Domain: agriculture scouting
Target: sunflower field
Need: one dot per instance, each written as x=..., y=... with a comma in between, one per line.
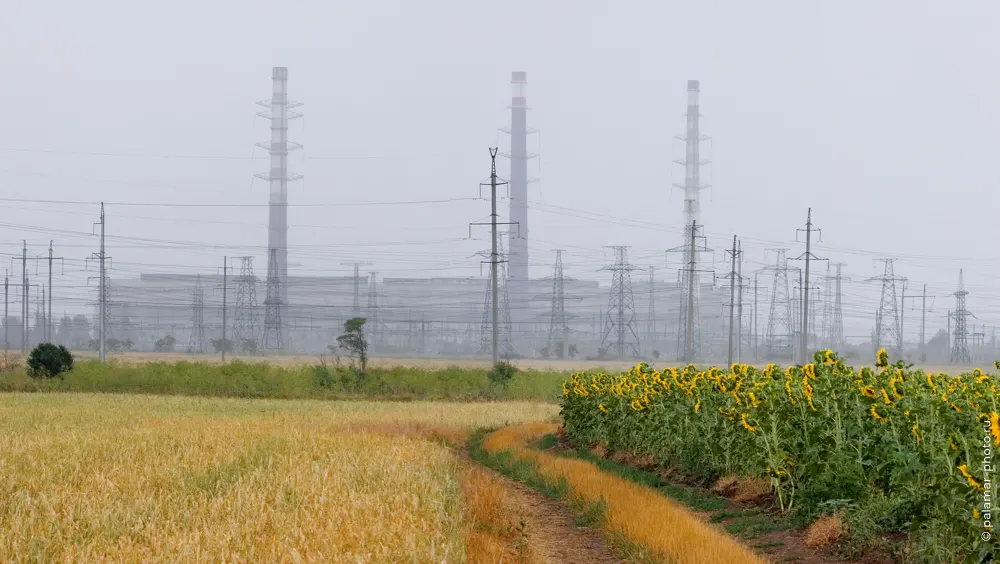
x=903, y=449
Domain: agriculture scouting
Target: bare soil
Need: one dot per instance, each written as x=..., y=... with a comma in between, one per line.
x=552, y=531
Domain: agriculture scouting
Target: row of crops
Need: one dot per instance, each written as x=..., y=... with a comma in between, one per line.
x=890, y=446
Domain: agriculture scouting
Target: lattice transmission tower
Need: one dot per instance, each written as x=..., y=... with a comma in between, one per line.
x=558, y=328
x=197, y=342
x=837, y=340
x=504, y=344
x=960, y=353
x=246, y=332
x=688, y=326
x=558, y=341
x=887, y=330
x=652, y=336
x=827, y=321
x=779, y=319
x=621, y=335
x=272, y=338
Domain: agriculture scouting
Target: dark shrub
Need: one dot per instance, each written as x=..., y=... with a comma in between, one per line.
x=502, y=373
x=48, y=361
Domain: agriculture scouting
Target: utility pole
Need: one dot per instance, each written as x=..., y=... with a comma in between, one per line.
x=225, y=285
x=739, y=303
x=923, y=313
x=103, y=302
x=807, y=256
x=6, y=314
x=689, y=327
x=756, y=315
x=24, y=298
x=494, y=256
x=226, y=267
x=732, y=300
x=923, y=318
x=48, y=332
x=902, y=311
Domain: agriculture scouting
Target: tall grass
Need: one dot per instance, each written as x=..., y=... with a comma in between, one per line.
x=139, y=478
x=638, y=513
x=263, y=380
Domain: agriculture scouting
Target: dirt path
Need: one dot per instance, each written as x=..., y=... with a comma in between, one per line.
x=553, y=534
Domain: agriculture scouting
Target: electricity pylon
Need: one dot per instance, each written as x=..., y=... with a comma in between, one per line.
x=272, y=338
x=652, y=336
x=558, y=340
x=245, y=327
x=837, y=340
x=689, y=328
x=960, y=348
x=887, y=331
x=779, y=319
x=620, y=320
x=197, y=342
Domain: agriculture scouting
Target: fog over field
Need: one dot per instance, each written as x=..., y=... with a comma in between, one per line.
x=879, y=117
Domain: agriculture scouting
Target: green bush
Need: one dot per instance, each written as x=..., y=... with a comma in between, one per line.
x=48, y=361
x=322, y=377
x=502, y=373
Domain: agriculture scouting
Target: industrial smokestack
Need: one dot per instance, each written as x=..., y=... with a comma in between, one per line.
x=278, y=177
x=689, y=321
x=277, y=226
x=518, y=238
x=692, y=164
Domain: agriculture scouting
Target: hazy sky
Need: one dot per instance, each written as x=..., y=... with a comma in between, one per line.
x=882, y=116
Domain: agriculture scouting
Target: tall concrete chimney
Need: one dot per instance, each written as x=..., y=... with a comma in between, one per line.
x=278, y=177
x=518, y=238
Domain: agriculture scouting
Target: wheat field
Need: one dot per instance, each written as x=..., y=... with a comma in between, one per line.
x=142, y=478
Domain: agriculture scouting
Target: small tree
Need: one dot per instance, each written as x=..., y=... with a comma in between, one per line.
x=249, y=346
x=354, y=341
x=166, y=344
x=48, y=361
x=222, y=344
x=573, y=351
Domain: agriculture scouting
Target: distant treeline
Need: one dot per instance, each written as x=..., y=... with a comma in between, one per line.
x=262, y=380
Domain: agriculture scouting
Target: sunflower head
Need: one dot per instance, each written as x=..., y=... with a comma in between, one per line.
x=882, y=358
